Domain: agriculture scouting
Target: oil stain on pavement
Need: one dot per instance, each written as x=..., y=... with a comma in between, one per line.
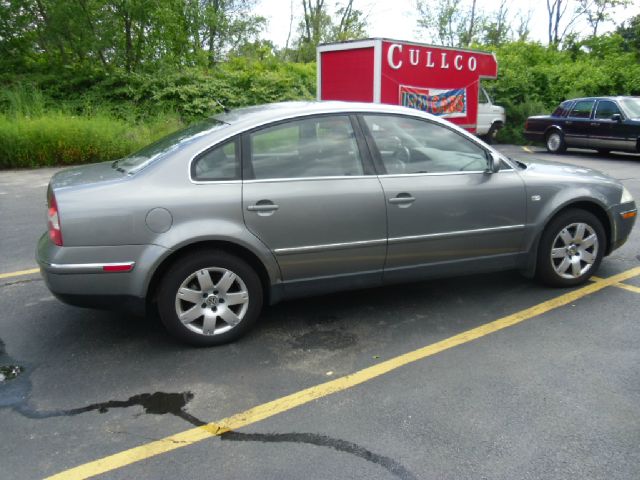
x=158, y=403
x=343, y=446
x=15, y=387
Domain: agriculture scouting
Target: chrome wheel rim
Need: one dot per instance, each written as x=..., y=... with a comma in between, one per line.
x=574, y=250
x=212, y=301
x=553, y=142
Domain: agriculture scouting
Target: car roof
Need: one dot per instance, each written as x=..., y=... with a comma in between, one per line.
x=251, y=117
x=245, y=119
x=603, y=97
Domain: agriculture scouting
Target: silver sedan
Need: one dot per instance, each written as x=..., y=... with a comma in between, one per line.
x=285, y=200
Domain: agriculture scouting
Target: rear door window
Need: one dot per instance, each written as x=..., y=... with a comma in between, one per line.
x=582, y=109
x=313, y=147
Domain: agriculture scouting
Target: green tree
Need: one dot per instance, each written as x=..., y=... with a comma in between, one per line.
x=352, y=23
x=229, y=24
x=452, y=23
x=496, y=29
x=317, y=26
x=18, y=34
x=599, y=11
x=630, y=33
x=561, y=18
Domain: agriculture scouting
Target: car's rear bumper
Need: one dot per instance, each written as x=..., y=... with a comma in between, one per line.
x=111, y=277
x=120, y=303
x=624, y=218
x=534, y=136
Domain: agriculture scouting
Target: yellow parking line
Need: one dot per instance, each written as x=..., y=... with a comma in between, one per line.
x=19, y=273
x=283, y=404
x=624, y=286
x=527, y=149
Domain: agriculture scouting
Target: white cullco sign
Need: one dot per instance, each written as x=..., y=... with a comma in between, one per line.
x=396, y=57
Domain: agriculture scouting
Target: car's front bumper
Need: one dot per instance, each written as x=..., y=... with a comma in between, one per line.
x=109, y=277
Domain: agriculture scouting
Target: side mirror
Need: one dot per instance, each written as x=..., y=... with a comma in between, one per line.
x=616, y=117
x=493, y=163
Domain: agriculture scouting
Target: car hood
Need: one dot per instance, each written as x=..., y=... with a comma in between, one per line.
x=86, y=175
x=558, y=169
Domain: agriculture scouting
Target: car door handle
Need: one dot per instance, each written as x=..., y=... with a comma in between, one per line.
x=266, y=207
x=402, y=199
x=568, y=122
x=594, y=124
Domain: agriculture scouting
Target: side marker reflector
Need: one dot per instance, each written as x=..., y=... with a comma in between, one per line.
x=126, y=267
x=630, y=214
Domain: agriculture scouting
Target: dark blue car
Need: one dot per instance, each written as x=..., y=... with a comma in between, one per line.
x=601, y=123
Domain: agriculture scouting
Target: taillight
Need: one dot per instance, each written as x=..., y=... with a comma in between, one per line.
x=53, y=220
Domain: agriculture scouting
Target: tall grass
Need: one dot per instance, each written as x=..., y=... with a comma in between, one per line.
x=22, y=100
x=35, y=132
x=52, y=139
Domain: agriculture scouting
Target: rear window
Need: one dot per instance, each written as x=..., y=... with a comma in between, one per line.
x=171, y=143
x=562, y=110
x=218, y=163
x=582, y=109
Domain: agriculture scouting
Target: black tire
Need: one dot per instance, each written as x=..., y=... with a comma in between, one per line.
x=554, y=141
x=548, y=268
x=217, y=299
x=491, y=135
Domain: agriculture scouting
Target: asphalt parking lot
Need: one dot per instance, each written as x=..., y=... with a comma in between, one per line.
x=478, y=377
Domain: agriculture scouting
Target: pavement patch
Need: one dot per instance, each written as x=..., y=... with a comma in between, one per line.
x=302, y=397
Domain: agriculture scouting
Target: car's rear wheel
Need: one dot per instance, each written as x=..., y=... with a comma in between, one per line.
x=555, y=142
x=209, y=298
x=571, y=248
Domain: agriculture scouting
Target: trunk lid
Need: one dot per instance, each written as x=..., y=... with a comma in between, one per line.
x=86, y=175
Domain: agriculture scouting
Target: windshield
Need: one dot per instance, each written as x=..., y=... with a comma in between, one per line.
x=171, y=143
x=631, y=106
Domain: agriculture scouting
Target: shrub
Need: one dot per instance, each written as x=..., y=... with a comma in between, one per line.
x=60, y=139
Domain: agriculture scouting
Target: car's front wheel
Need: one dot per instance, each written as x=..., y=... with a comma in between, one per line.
x=555, y=142
x=571, y=248
x=209, y=298
x=492, y=134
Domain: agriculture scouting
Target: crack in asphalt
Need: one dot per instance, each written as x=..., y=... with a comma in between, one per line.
x=19, y=282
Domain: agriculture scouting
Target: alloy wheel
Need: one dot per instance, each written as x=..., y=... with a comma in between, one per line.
x=212, y=301
x=554, y=142
x=574, y=250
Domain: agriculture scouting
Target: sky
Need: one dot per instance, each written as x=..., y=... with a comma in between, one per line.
x=397, y=18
